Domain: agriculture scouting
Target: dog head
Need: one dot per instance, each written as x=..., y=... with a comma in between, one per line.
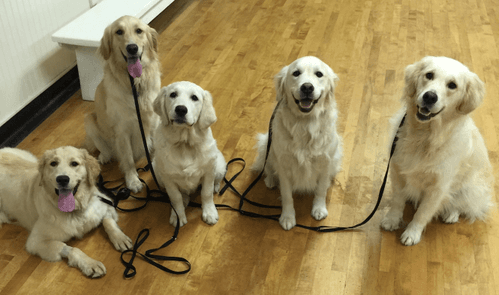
x=67, y=169
x=185, y=104
x=306, y=84
x=128, y=39
x=435, y=86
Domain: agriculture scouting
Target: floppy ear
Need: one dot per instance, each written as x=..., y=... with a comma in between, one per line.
x=207, y=116
x=92, y=166
x=279, y=83
x=42, y=162
x=473, y=96
x=152, y=37
x=106, y=43
x=411, y=79
x=159, y=106
x=332, y=79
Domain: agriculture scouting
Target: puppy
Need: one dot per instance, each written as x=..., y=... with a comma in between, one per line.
x=113, y=127
x=306, y=151
x=56, y=199
x=186, y=154
x=440, y=162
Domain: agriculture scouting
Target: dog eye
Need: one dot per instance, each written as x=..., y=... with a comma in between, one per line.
x=429, y=76
x=53, y=163
x=452, y=85
x=319, y=74
x=119, y=32
x=74, y=164
x=194, y=98
x=139, y=31
x=296, y=73
x=173, y=94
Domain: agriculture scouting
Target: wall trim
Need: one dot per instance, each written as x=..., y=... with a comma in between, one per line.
x=31, y=116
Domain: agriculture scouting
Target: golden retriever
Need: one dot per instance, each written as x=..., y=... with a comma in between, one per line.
x=186, y=154
x=306, y=150
x=440, y=162
x=113, y=127
x=56, y=199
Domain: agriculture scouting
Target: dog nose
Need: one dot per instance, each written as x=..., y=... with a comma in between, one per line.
x=307, y=88
x=132, y=48
x=180, y=110
x=430, y=98
x=62, y=179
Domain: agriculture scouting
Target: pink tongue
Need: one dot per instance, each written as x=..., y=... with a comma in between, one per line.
x=66, y=201
x=135, y=69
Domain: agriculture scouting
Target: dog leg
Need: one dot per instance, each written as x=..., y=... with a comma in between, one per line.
x=393, y=218
x=430, y=204
x=177, y=202
x=120, y=241
x=450, y=216
x=210, y=214
x=93, y=139
x=51, y=250
x=220, y=171
x=319, y=209
x=124, y=154
x=287, y=219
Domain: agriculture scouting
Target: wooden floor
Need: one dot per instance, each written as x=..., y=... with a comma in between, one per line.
x=233, y=49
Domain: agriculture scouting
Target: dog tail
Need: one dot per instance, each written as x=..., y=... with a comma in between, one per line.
x=261, y=146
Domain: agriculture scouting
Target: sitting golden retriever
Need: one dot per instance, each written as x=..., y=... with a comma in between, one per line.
x=186, y=154
x=440, y=162
x=306, y=150
x=113, y=127
x=56, y=199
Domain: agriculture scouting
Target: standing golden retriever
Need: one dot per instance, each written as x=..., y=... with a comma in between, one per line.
x=186, y=154
x=56, y=199
x=306, y=151
x=113, y=128
x=440, y=163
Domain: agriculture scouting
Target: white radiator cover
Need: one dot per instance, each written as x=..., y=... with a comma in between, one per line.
x=30, y=61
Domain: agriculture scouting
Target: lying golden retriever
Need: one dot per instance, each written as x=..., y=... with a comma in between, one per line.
x=56, y=199
x=440, y=162
x=306, y=150
x=186, y=154
x=113, y=127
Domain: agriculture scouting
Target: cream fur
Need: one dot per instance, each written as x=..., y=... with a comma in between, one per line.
x=440, y=164
x=27, y=195
x=186, y=154
x=113, y=127
x=306, y=150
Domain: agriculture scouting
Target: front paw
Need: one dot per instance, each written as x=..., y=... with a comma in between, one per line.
x=173, y=219
x=411, y=236
x=450, y=217
x=391, y=223
x=90, y=267
x=210, y=215
x=134, y=184
x=319, y=212
x=120, y=241
x=287, y=221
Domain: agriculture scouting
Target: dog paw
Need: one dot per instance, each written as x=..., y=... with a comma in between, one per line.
x=390, y=223
x=104, y=159
x=121, y=241
x=287, y=222
x=451, y=217
x=210, y=215
x=134, y=184
x=90, y=267
x=270, y=182
x=319, y=213
x=411, y=236
x=173, y=219
x=216, y=188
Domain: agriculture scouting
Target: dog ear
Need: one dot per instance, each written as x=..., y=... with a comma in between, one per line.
x=279, y=80
x=473, y=96
x=106, y=43
x=332, y=79
x=92, y=166
x=152, y=37
x=42, y=162
x=207, y=116
x=159, y=106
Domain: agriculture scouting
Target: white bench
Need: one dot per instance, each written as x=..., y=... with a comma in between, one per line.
x=85, y=32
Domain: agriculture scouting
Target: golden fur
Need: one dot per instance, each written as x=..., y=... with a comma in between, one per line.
x=306, y=150
x=27, y=195
x=440, y=163
x=113, y=127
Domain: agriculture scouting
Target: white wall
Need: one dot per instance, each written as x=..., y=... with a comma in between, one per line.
x=30, y=61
